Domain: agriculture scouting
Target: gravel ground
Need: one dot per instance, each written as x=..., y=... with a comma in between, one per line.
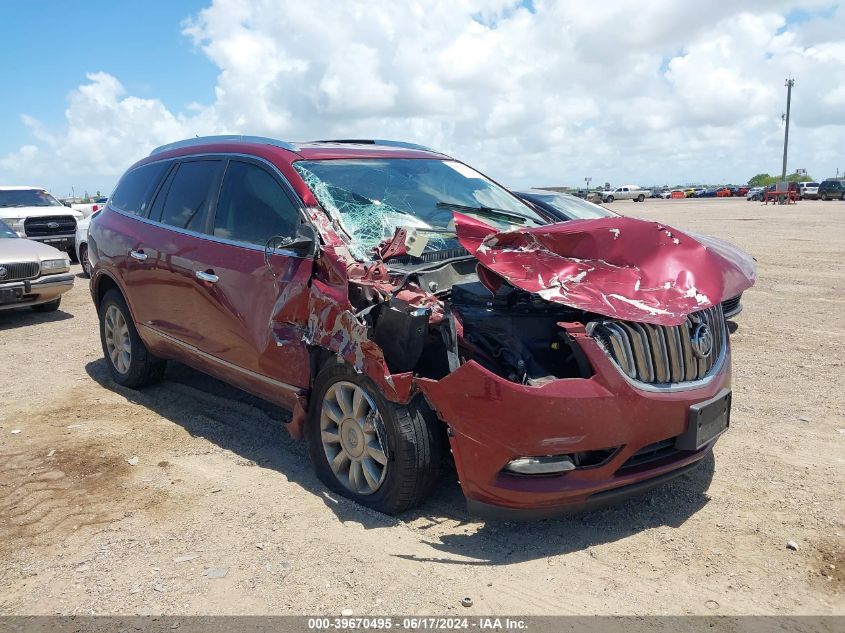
x=221, y=514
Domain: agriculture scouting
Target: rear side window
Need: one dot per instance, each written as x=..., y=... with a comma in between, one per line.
x=188, y=196
x=253, y=206
x=135, y=190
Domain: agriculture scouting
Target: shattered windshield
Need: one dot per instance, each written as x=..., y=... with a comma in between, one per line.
x=373, y=197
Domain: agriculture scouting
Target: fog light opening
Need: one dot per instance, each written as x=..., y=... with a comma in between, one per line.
x=547, y=465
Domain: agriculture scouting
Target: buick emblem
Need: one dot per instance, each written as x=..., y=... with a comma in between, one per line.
x=702, y=340
x=52, y=225
x=4, y=272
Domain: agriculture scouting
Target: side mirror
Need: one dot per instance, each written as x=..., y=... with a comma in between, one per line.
x=67, y=204
x=304, y=244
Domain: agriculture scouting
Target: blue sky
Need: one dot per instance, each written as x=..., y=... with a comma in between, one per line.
x=532, y=92
x=47, y=47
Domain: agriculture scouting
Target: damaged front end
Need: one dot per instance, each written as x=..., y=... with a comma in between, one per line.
x=563, y=358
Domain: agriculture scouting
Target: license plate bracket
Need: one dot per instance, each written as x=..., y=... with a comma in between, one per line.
x=11, y=295
x=707, y=421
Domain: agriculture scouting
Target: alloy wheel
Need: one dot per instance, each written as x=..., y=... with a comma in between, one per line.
x=118, y=343
x=351, y=441
x=83, y=259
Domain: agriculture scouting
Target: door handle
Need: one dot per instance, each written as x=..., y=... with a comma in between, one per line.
x=139, y=255
x=204, y=276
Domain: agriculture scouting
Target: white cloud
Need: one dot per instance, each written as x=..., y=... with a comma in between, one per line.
x=658, y=91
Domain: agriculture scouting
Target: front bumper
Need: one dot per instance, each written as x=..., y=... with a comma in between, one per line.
x=62, y=242
x=41, y=290
x=493, y=421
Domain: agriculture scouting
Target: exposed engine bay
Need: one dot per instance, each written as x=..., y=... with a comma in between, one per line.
x=513, y=333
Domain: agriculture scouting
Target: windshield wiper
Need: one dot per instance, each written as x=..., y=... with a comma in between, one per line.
x=489, y=212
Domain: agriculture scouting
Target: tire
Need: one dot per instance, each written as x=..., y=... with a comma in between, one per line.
x=71, y=253
x=141, y=368
x=50, y=306
x=609, y=199
x=641, y=198
x=824, y=196
x=83, y=259
x=414, y=443
x=842, y=197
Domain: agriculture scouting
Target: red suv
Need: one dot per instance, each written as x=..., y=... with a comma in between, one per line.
x=402, y=304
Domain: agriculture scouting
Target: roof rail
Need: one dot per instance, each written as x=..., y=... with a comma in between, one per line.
x=384, y=142
x=226, y=138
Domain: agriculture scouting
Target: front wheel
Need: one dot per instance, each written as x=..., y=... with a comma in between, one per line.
x=50, y=306
x=609, y=199
x=129, y=361
x=383, y=455
x=824, y=197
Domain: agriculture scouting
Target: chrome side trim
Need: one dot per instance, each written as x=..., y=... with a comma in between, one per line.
x=209, y=238
x=226, y=138
x=219, y=361
x=221, y=240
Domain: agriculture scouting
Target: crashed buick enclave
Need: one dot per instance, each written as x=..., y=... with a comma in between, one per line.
x=402, y=304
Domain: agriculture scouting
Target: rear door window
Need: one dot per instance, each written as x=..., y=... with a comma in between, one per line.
x=189, y=194
x=135, y=190
x=253, y=206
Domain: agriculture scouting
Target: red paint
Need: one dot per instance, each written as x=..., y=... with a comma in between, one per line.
x=619, y=267
x=262, y=323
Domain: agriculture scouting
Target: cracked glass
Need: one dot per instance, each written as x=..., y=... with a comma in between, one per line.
x=371, y=198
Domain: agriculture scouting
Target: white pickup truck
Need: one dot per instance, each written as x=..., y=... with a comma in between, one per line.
x=88, y=209
x=627, y=192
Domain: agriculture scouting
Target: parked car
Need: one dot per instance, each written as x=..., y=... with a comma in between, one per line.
x=755, y=194
x=808, y=190
x=89, y=208
x=628, y=192
x=832, y=189
x=398, y=300
x=31, y=274
x=561, y=207
x=35, y=214
x=723, y=192
x=739, y=191
x=82, y=243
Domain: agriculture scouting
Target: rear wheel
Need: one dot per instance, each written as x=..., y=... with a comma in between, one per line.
x=83, y=259
x=383, y=455
x=50, y=306
x=641, y=198
x=129, y=361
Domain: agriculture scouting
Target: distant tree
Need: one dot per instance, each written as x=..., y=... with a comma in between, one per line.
x=763, y=180
x=760, y=180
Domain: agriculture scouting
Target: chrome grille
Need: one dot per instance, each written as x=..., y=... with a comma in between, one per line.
x=45, y=226
x=19, y=271
x=658, y=354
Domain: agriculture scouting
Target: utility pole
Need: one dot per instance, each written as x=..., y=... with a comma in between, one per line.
x=789, y=84
x=587, y=180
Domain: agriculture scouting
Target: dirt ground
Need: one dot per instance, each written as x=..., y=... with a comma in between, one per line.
x=219, y=488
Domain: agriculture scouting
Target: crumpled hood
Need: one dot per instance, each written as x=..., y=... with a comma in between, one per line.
x=631, y=269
